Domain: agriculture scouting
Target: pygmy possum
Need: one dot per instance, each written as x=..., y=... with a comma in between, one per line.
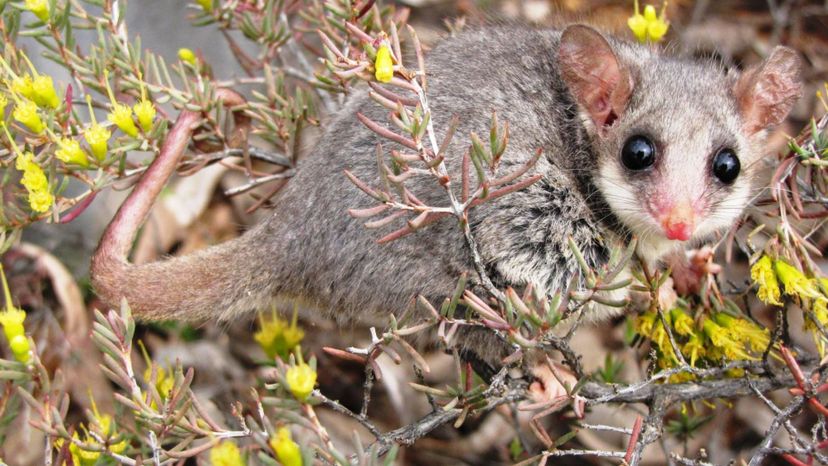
x=635, y=143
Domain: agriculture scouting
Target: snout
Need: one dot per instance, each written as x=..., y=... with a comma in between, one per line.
x=678, y=221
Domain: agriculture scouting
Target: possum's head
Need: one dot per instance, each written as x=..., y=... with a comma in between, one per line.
x=678, y=143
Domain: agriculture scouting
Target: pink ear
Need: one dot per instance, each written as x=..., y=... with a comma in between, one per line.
x=766, y=93
x=599, y=83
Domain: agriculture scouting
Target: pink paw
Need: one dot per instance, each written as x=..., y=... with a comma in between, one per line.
x=689, y=274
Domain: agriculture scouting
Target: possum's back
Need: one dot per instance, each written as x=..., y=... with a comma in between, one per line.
x=318, y=252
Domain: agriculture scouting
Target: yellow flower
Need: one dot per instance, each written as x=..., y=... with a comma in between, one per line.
x=33, y=177
x=121, y=116
x=20, y=348
x=145, y=111
x=649, y=26
x=40, y=8
x=36, y=87
x=36, y=183
x=34, y=180
x=694, y=349
x=645, y=323
x=70, y=152
x=301, y=379
x=164, y=378
x=796, y=283
x=657, y=26
x=724, y=341
x=3, y=102
x=81, y=457
x=103, y=428
x=662, y=341
x=277, y=337
x=682, y=323
x=44, y=92
x=226, y=454
x=25, y=111
x=638, y=25
x=97, y=137
x=12, y=319
x=40, y=200
x=287, y=451
x=206, y=5
x=24, y=86
x=384, y=65
x=164, y=382
x=186, y=55
x=745, y=331
x=763, y=275
x=23, y=159
x=659, y=334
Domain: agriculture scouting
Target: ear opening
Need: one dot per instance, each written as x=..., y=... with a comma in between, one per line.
x=766, y=93
x=596, y=78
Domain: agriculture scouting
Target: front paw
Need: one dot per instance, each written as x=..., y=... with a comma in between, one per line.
x=688, y=275
x=551, y=380
x=549, y=390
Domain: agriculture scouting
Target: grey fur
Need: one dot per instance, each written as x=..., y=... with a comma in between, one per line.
x=310, y=249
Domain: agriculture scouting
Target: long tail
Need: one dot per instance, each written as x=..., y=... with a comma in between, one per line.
x=197, y=286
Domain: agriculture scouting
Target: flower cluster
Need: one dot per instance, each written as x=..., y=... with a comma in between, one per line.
x=649, y=27
x=33, y=179
x=301, y=378
x=35, y=182
x=277, y=337
x=37, y=108
x=122, y=115
x=101, y=436
x=707, y=339
x=164, y=381
x=164, y=377
x=35, y=87
x=12, y=319
x=772, y=277
x=31, y=93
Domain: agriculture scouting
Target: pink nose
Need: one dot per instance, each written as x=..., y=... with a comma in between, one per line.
x=679, y=221
x=679, y=230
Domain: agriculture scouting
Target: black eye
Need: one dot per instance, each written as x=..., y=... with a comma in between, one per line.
x=726, y=166
x=638, y=153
